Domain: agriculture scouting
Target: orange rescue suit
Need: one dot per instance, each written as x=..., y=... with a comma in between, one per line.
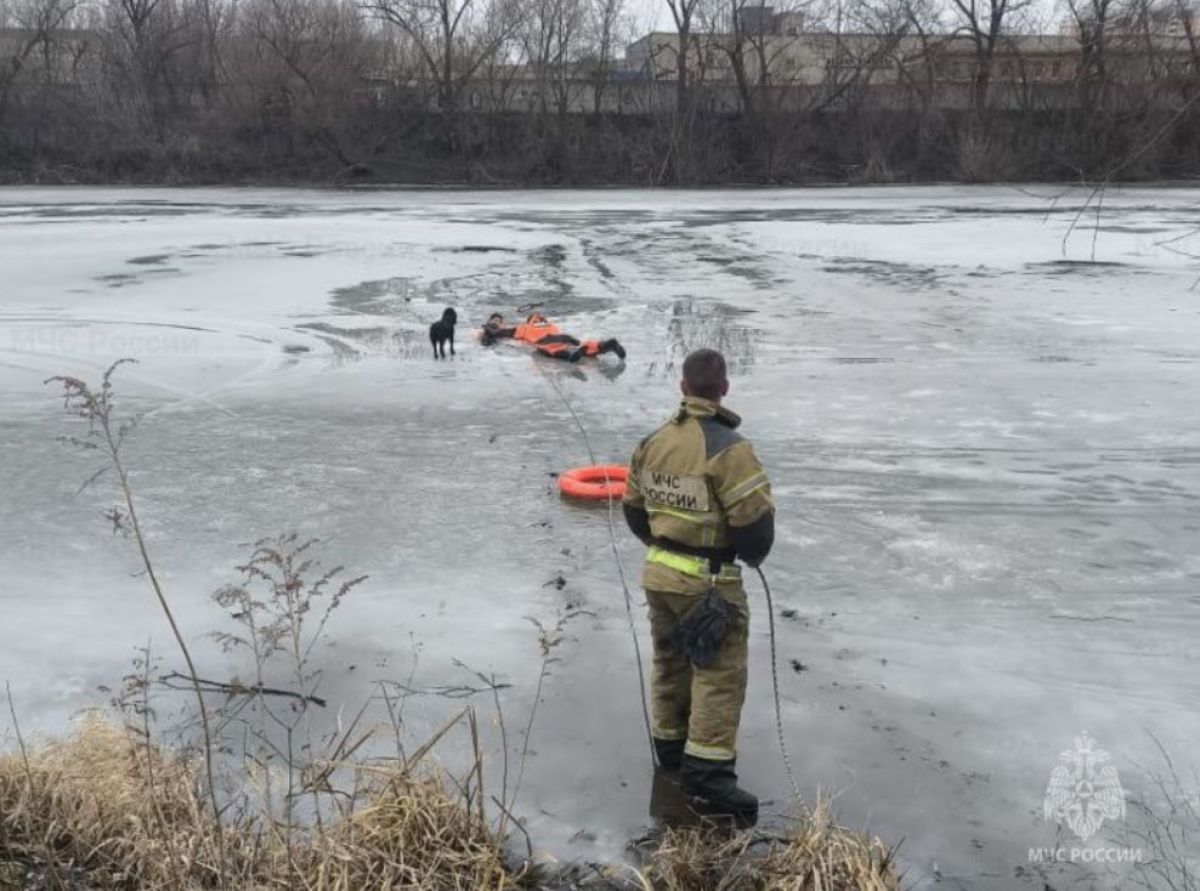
x=532, y=332
x=550, y=341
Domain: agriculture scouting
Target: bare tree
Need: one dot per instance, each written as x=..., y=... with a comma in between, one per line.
x=214, y=21
x=985, y=23
x=453, y=38
x=551, y=39
x=603, y=25
x=1188, y=14
x=859, y=44
x=1093, y=22
x=146, y=38
x=551, y=35
x=921, y=55
x=757, y=65
x=27, y=28
x=316, y=57
x=684, y=14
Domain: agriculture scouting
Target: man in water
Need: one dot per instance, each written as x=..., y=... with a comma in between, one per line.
x=698, y=497
x=547, y=339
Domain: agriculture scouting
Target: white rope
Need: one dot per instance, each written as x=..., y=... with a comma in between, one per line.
x=783, y=749
x=612, y=539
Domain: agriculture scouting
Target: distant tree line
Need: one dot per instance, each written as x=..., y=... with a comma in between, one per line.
x=510, y=92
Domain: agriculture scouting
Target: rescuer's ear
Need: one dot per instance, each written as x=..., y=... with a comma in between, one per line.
x=683, y=388
x=724, y=388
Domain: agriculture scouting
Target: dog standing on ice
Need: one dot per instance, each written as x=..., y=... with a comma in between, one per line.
x=440, y=332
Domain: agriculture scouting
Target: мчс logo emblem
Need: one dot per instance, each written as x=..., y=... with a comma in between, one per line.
x=1084, y=790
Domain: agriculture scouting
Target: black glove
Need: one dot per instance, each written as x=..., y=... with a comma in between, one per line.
x=753, y=542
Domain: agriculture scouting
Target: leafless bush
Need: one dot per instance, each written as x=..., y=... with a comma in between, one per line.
x=106, y=434
x=283, y=590
x=1164, y=824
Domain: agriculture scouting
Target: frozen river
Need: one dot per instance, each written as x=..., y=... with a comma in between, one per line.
x=985, y=452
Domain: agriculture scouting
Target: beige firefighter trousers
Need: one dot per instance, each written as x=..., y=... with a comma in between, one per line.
x=701, y=705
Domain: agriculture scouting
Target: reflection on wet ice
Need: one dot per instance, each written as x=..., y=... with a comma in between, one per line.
x=671, y=808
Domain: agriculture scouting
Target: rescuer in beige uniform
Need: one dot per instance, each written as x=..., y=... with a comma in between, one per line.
x=698, y=497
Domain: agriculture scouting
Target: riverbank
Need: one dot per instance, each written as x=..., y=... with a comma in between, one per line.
x=404, y=146
x=108, y=809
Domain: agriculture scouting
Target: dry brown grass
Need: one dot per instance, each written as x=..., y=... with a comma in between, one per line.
x=106, y=808
x=814, y=855
x=410, y=834
x=94, y=801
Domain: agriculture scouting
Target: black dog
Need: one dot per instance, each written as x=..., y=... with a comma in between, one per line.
x=440, y=332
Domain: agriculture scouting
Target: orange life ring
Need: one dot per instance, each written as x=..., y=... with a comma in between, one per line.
x=598, y=483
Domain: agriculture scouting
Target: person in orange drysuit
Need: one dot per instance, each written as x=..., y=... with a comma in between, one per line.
x=547, y=339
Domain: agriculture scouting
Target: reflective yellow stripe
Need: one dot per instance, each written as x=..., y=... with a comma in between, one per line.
x=682, y=562
x=701, y=519
x=734, y=494
x=708, y=753
x=689, y=565
x=743, y=486
x=672, y=734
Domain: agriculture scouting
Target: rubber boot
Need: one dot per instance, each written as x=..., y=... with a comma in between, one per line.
x=575, y=355
x=713, y=786
x=669, y=752
x=613, y=346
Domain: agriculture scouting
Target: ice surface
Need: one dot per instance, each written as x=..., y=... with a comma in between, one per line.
x=984, y=448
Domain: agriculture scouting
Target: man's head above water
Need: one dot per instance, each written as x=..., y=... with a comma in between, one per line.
x=704, y=375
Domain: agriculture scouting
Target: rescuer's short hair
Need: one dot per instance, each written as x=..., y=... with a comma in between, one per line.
x=704, y=373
